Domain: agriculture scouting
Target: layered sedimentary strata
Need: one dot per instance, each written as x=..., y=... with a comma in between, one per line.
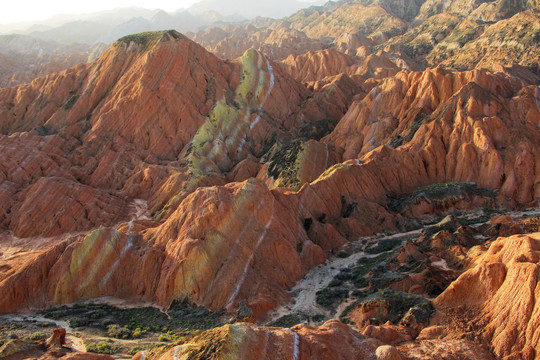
x=501, y=287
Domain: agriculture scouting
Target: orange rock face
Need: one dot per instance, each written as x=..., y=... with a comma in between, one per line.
x=462, y=138
x=58, y=338
x=313, y=66
x=503, y=285
x=232, y=41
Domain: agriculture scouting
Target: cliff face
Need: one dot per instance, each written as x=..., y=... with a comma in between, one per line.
x=454, y=126
x=315, y=66
x=502, y=287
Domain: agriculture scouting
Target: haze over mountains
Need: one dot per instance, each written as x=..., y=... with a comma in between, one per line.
x=202, y=13
x=358, y=180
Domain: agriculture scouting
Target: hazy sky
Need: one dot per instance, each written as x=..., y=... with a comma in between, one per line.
x=32, y=10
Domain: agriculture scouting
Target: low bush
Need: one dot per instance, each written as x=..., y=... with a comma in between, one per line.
x=38, y=335
x=118, y=332
x=103, y=347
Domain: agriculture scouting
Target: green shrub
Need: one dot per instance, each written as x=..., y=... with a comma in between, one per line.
x=103, y=347
x=287, y=321
x=138, y=332
x=118, y=332
x=38, y=335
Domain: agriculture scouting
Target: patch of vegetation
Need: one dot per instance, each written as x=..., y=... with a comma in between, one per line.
x=366, y=264
x=418, y=121
x=36, y=336
x=41, y=130
x=331, y=296
x=134, y=322
x=440, y=191
x=163, y=338
x=343, y=254
x=318, y=318
x=417, y=50
x=347, y=208
x=287, y=321
x=118, y=332
x=138, y=332
x=485, y=216
x=344, y=315
x=145, y=38
x=399, y=140
x=70, y=102
x=384, y=245
x=283, y=165
x=103, y=347
x=464, y=33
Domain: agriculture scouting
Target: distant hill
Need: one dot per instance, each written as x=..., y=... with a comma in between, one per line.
x=250, y=9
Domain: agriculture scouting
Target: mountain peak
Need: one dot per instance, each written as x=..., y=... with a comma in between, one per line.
x=149, y=38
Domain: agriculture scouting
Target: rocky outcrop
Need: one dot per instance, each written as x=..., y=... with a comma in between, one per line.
x=53, y=348
x=506, y=42
x=502, y=288
x=467, y=34
x=315, y=66
x=348, y=18
x=333, y=340
x=231, y=41
x=462, y=108
x=58, y=338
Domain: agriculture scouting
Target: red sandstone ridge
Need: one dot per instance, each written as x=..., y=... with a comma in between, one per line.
x=316, y=65
x=501, y=287
x=117, y=123
x=155, y=117
x=232, y=41
x=81, y=100
x=448, y=126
